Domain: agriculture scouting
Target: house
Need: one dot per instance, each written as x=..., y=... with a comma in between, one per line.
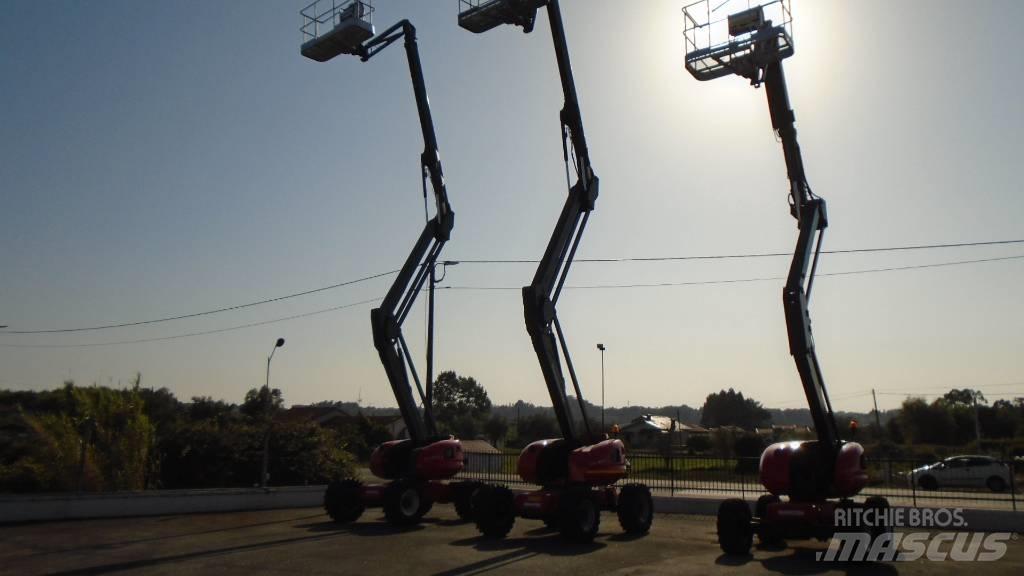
x=482, y=457
x=652, y=431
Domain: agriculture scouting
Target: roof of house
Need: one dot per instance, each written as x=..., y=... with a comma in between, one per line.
x=478, y=447
x=661, y=424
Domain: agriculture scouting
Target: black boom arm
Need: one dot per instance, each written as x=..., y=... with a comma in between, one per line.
x=388, y=318
x=809, y=211
x=541, y=296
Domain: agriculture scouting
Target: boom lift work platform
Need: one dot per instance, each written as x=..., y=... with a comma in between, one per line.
x=418, y=465
x=816, y=477
x=576, y=472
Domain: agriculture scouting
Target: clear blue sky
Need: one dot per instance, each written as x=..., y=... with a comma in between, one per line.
x=160, y=158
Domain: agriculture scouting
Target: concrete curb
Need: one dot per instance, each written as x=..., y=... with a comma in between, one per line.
x=49, y=507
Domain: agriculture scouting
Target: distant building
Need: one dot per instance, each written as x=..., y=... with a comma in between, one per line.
x=651, y=431
x=331, y=417
x=481, y=456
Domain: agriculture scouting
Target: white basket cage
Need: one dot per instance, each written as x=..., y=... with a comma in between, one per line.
x=331, y=27
x=725, y=37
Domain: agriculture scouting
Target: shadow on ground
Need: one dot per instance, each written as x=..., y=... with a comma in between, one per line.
x=802, y=560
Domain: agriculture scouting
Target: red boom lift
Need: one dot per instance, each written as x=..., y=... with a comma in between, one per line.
x=576, y=473
x=418, y=465
x=816, y=477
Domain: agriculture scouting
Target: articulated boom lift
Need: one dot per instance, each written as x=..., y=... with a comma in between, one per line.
x=417, y=464
x=576, y=471
x=808, y=473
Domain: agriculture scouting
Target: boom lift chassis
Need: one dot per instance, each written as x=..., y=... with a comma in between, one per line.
x=417, y=466
x=575, y=472
x=817, y=477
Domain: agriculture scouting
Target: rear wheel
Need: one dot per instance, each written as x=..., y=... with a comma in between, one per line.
x=635, y=509
x=996, y=484
x=878, y=522
x=767, y=533
x=405, y=502
x=464, y=493
x=494, y=511
x=580, y=516
x=343, y=500
x=928, y=483
x=735, y=534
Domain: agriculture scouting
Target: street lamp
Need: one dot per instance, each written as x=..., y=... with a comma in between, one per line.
x=601, y=348
x=266, y=413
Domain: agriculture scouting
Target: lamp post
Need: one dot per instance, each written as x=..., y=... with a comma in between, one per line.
x=601, y=348
x=266, y=413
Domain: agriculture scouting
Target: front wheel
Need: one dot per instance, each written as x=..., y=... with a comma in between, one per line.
x=580, y=516
x=735, y=534
x=635, y=509
x=405, y=503
x=928, y=483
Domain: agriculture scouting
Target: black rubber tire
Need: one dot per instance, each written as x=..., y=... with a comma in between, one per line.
x=464, y=492
x=766, y=533
x=635, y=509
x=343, y=500
x=996, y=484
x=927, y=483
x=405, y=502
x=494, y=511
x=579, y=515
x=881, y=504
x=735, y=534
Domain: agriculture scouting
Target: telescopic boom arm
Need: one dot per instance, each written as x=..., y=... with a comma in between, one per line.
x=541, y=296
x=809, y=211
x=388, y=318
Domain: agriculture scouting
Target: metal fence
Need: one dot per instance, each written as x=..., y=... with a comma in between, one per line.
x=682, y=474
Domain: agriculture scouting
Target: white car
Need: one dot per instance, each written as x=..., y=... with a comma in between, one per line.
x=962, y=471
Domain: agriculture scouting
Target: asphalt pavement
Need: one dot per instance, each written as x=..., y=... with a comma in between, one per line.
x=304, y=541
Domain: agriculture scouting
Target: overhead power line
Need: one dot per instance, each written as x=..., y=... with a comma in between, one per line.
x=592, y=260
x=751, y=255
x=202, y=333
x=204, y=313
x=746, y=280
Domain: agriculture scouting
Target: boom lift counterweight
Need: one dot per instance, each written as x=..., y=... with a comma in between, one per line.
x=416, y=465
x=576, y=471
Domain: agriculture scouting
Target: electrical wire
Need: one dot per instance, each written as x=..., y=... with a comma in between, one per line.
x=202, y=333
x=749, y=255
x=746, y=280
x=204, y=313
x=594, y=260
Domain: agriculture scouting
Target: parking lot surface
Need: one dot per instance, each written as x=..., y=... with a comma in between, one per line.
x=304, y=541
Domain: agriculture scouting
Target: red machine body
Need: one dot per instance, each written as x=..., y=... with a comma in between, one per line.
x=598, y=464
x=785, y=466
x=436, y=461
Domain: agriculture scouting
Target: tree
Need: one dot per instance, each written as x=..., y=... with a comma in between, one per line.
x=538, y=426
x=261, y=403
x=730, y=408
x=496, y=428
x=964, y=397
x=460, y=404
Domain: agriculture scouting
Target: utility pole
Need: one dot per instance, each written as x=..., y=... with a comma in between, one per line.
x=602, y=349
x=878, y=419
